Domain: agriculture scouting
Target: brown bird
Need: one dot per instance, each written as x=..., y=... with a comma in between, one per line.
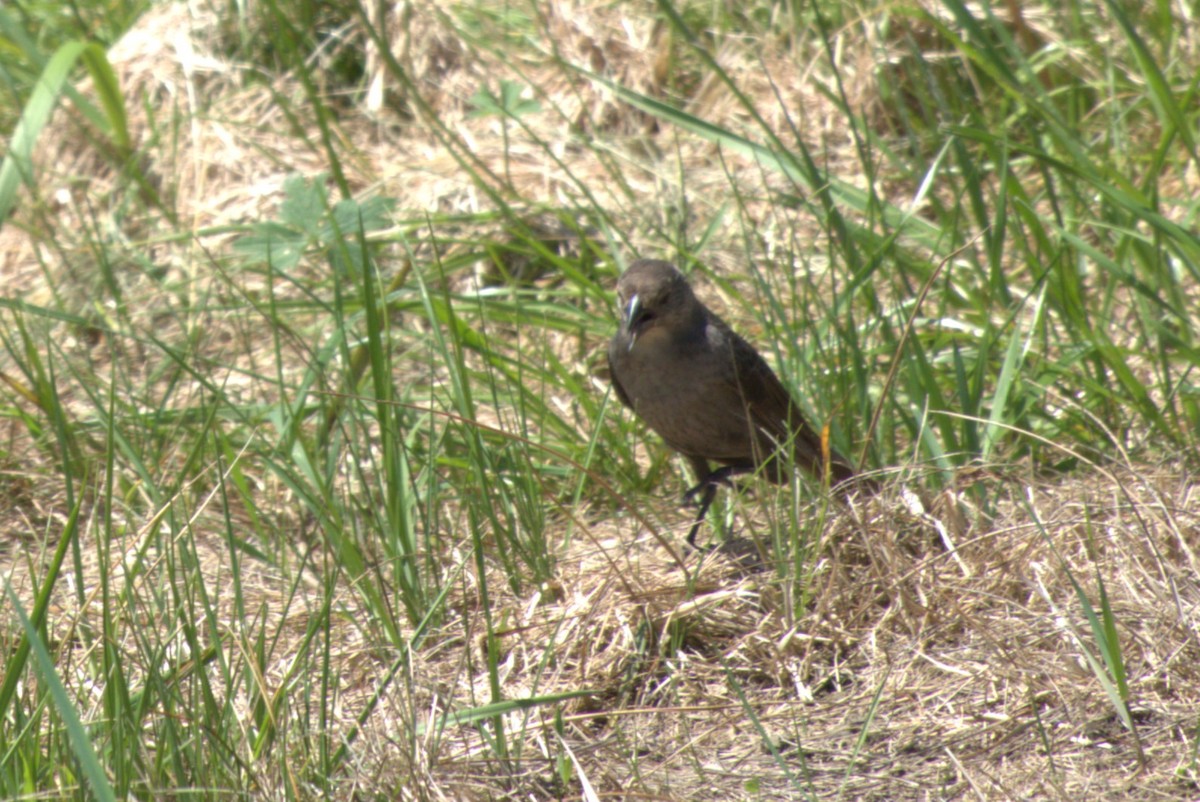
x=705, y=390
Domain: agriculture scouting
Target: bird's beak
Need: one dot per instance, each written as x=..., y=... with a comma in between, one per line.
x=633, y=316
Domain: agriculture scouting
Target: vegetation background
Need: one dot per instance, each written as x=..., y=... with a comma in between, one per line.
x=312, y=486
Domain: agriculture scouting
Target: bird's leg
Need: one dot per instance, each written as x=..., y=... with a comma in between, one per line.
x=711, y=481
x=708, y=489
x=710, y=492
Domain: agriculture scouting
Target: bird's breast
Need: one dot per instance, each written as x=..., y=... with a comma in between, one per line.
x=685, y=393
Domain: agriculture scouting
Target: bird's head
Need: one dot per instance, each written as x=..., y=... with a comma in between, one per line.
x=655, y=298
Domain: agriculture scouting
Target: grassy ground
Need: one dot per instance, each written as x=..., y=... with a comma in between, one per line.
x=312, y=484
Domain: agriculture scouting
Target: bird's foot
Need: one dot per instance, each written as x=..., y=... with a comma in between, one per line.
x=691, y=538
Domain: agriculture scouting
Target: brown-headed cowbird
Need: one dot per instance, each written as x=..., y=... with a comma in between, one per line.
x=705, y=390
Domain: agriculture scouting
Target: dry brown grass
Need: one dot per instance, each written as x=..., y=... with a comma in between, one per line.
x=924, y=666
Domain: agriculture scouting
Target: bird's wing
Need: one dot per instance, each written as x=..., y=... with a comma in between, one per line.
x=776, y=414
